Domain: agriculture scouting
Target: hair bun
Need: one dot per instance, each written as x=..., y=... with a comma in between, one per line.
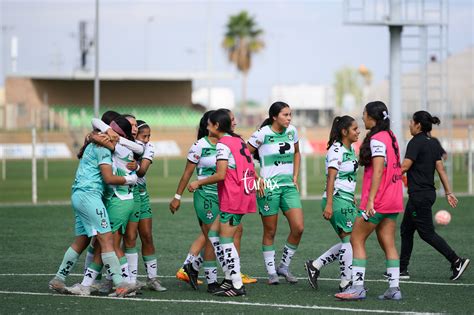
x=435, y=120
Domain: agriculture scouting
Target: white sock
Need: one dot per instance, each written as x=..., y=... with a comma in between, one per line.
x=132, y=258
x=124, y=269
x=328, y=257
x=232, y=261
x=210, y=270
x=393, y=277
x=288, y=252
x=358, y=275
x=345, y=263
x=189, y=259
x=198, y=262
x=269, y=258
x=89, y=276
x=151, y=267
x=89, y=257
x=216, y=244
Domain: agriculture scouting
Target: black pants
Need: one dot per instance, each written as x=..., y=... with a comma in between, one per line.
x=418, y=217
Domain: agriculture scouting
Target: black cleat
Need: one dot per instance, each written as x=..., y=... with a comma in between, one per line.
x=458, y=267
x=232, y=292
x=313, y=274
x=224, y=286
x=404, y=275
x=213, y=287
x=192, y=274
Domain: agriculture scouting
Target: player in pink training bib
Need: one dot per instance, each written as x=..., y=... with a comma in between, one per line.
x=235, y=178
x=382, y=200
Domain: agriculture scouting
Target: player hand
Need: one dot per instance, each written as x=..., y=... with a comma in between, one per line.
x=132, y=165
x=193, y=186
x=295, y=181
x=113, y=135
x=174, y=205
x=452, y=200
x=261, y=187
x=369, y=209
x=327, y=214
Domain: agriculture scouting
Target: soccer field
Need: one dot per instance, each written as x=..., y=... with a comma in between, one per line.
x=35, y=238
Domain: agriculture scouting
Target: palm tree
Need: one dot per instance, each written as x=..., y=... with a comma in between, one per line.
x=241, y=41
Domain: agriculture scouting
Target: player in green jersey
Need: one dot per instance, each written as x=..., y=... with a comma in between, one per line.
x=275, y=145
x=338, y=202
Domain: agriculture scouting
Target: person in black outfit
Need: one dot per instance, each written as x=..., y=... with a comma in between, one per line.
x=424, y=156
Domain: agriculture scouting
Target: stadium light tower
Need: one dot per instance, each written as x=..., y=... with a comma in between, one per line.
x=413, y=23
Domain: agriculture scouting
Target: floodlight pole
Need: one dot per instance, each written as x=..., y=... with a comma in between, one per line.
x=395, y=72
x=96, y=64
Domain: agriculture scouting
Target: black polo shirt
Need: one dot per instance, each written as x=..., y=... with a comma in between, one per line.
x=424, y=152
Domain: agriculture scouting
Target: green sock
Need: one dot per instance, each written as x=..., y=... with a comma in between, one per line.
x=69, y=260
x=112, y=265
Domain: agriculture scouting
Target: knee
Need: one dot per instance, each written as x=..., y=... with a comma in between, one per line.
x=147, y=239
x=297, y=230
x=269, y=232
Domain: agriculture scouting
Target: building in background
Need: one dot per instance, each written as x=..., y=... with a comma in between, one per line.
x=311, y=104
x=214, y=98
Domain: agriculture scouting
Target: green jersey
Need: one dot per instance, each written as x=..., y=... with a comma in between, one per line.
x=203, y=154
x=88, y=175
x=344, y=160
x=277, y=153
x=120, y=158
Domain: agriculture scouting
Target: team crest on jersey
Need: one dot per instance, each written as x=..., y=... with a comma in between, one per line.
x=266, y=207
x=290, y=137
x=209, y=215
x=103, y=223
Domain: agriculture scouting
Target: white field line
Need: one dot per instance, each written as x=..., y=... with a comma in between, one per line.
x=261, y=278
x=280, y=306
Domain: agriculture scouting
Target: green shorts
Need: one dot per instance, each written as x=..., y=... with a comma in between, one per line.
x=378, y=217
x=119, y=213
x=233, y=219
x=344, y=213
x=135, y=216
x=145, y=207
x=90, y=214
x=206, y=206
x=284, y=198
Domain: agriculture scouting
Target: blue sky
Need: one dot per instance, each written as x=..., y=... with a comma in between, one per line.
x=306, y=41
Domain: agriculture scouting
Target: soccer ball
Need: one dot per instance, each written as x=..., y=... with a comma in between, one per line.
x=442, y=217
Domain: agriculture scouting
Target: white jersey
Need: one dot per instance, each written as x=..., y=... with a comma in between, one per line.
x=203, y=154
x=344, y=160
x=277, y=153
x=120, y=158
x=148, y=153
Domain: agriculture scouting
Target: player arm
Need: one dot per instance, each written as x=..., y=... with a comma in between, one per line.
x=221, y=171
x=406, y=165
x=101, y=139
x=378, y=166
x=452, y=200
x=188, y=172
x=296, y=163
x=144, y=165
x=103, y=127
x=111, y=179
x=331, y=180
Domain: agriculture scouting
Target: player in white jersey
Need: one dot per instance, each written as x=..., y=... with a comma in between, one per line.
x=276, y=147
x=338, y=202
x=141, y=220
x=202, y=157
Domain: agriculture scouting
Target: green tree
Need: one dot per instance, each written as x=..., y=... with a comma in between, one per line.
x=241, y=41
x=347, y=81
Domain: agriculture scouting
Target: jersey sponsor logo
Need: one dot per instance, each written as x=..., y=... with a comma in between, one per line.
x=252, y=185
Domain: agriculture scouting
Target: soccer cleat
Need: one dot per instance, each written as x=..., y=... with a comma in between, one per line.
x=273, y=279
x=313, y=274
x=57, y=285
x=225, y=285
x=78, y=289
x=391, y=294
x=458, y=267
x=155, y=285
x=246, y=279
x=404, y=275
x=192, y=274
x=285, y=272
x=105, y=287
x=346, y=287
x=124, y=289
x=232, y=292
x=356, y=292
x=183, y=276
x=213, y=287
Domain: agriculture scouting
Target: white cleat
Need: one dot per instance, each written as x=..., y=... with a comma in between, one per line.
x=78, y=289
